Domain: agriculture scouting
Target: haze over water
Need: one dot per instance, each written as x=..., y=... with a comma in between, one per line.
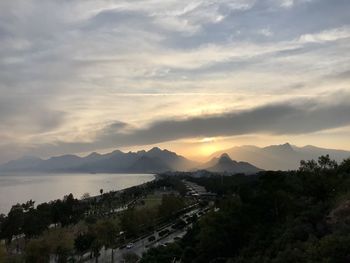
x=19, y=188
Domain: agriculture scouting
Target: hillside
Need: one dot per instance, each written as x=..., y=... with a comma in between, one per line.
x=225, y=164
x=280, y=157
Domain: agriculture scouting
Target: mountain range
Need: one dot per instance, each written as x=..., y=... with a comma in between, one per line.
x=152, y=161
x=281, y=157
x=252, y=159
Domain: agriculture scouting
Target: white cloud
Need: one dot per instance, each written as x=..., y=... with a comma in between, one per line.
x=266, y=32
x=92, y=62
x=326, y=35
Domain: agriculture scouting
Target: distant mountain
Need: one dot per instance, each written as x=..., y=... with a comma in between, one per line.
x=152, y=161
x=24, y=163
x=147, y=164
x=281, y=157
x=274, y=157
x=225, y=164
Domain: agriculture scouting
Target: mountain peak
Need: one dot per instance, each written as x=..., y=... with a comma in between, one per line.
x=225, y=159
x=287, y=145
x=93, y=154
x=280, y=147
x=155, y=150
x=225, y=164
x=116, y=152
x=225, y=156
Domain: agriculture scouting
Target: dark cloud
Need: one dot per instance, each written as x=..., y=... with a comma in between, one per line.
x=279, y=119
x=64, y=69
x=273, y=119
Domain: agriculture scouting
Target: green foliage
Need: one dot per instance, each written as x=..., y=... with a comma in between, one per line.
x=333, y=248
x=131, y=258
x=170, y=205
x=3, y=254
x=163, y=254
x=83, y=242
x=136, y=221
x=58, y=242
x=106, y=231
x=344, y=167
x=25, y=219
x=296, y=216
x=37, y=252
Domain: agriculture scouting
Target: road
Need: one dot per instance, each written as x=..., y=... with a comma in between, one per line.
x=142, y=245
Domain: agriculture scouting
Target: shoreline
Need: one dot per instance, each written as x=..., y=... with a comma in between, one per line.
x=12, y=190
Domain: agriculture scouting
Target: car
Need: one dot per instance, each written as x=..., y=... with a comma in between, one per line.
x=130, y=245
x=180, y=224
x=151, y=238
x=162, y=245
x=163, y=232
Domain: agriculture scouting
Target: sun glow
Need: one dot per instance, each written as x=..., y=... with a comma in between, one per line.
x=209, y=139
x=208, y=146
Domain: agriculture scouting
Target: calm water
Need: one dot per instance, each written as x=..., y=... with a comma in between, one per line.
x=19, y=188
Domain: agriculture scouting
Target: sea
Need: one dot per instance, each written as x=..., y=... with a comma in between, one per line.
x=22, y=187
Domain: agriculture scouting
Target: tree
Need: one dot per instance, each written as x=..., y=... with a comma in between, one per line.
x=130, y=258
x=107, y=231
x=13, y=223
x=101, y=191
x=34, y=224
x=28, y=205
x=170, y=205
x=83, y=242
x=325, y=162
x=61, y=243
x=96, y=248
x=344, y=167
x=3, y=254
x=85, y=196
x=332, y=248
x=308, y=166
x=37, y=251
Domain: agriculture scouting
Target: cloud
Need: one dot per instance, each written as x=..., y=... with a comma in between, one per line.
x=20, y=115
x=302, y=117
x=326, y=35
x=66, y=76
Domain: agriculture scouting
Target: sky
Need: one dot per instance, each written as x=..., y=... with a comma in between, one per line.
x=192, y=76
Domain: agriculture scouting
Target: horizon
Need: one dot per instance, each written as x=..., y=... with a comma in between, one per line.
x=200, y=159
x=191, y=76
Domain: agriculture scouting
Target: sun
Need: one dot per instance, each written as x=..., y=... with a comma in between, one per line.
x=208, y=146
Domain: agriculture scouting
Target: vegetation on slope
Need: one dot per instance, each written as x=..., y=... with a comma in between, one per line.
x=296, y=216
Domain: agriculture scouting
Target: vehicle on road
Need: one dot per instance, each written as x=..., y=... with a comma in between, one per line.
x=163, y=232
x=151, y=238
x=130, y=245
x=180, y=224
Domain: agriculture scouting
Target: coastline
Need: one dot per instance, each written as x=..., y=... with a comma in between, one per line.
x=42, y=188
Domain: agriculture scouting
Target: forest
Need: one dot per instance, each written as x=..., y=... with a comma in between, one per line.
x=276, y=216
